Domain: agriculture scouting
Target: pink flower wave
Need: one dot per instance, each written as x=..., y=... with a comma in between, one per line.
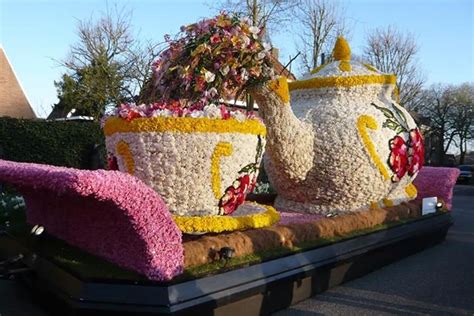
x=436, y=181
x=107, y=213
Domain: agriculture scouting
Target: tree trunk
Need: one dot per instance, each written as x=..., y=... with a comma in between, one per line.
x=462, y=149
x=440, y=149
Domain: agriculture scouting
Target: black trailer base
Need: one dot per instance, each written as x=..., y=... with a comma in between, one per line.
x=255, y=290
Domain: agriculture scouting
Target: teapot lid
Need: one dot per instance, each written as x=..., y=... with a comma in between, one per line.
x=342, y=72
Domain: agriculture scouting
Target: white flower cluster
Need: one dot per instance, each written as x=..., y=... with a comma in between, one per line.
x=178, y=165
x=215, y=112
x=333, y=70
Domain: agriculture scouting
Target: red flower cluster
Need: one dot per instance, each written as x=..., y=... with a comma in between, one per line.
x=236, y=193
x=416, y=151
x=132, y=115
x=398, y=160
x=406, y=156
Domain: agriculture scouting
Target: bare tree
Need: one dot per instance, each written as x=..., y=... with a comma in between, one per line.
x=437, y=105
x=110, y=37
x=270, y=15
x=451, y=113
x=319, y=23
x=267, y=14
x=393, y=52
x=463, y=118
x=107, y=65
x=140, y=68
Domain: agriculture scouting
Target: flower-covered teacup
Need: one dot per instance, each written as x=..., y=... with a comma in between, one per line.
x=202, y=158
x=199, y=165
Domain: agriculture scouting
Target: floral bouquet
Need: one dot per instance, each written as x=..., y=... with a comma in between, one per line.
x=202, y=157
x=212, y=60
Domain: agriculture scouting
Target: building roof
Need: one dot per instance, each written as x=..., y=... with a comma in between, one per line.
x=13, y=100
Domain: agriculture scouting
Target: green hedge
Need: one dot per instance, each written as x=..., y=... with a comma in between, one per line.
x=60, y=143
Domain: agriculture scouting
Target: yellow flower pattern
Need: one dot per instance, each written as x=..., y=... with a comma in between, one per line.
x=184, y=125
x=218, y=224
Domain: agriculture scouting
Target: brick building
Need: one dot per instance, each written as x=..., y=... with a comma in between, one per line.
x=13, y=100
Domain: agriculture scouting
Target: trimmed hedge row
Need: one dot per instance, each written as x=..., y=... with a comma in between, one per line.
x=60, y=143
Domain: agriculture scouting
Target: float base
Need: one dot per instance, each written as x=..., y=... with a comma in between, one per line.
x=254, y=290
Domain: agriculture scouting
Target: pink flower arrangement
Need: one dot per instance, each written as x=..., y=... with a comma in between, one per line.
x=289, y=218
x=436, y=181
x=131, y=111
x=107, y=213
x=211, y=60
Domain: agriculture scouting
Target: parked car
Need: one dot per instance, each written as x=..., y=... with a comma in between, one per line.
x=466, y=174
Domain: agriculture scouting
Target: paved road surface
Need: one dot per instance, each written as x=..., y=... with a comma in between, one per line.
x=437, y=281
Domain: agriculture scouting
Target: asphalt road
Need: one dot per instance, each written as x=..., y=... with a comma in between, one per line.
x=437, y=281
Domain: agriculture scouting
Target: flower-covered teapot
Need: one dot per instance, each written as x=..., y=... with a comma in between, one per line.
x=343, y=144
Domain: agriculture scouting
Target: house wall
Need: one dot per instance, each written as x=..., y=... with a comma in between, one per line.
x=13, y=101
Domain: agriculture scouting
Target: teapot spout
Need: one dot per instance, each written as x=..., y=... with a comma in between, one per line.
x=290, y=141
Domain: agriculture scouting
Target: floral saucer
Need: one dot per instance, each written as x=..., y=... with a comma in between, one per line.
x=246, y=216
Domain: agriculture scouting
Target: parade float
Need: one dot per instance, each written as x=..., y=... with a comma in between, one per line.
x=168, y=229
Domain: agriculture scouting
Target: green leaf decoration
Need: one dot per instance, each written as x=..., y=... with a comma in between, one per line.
x=391, y=124
x=388, y=114
x=400, y=129
x=402, y=116
x=248, y=168
x=397, y=123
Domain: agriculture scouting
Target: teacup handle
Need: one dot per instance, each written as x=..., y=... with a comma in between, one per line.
x=123, y=150
x=221, y=149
